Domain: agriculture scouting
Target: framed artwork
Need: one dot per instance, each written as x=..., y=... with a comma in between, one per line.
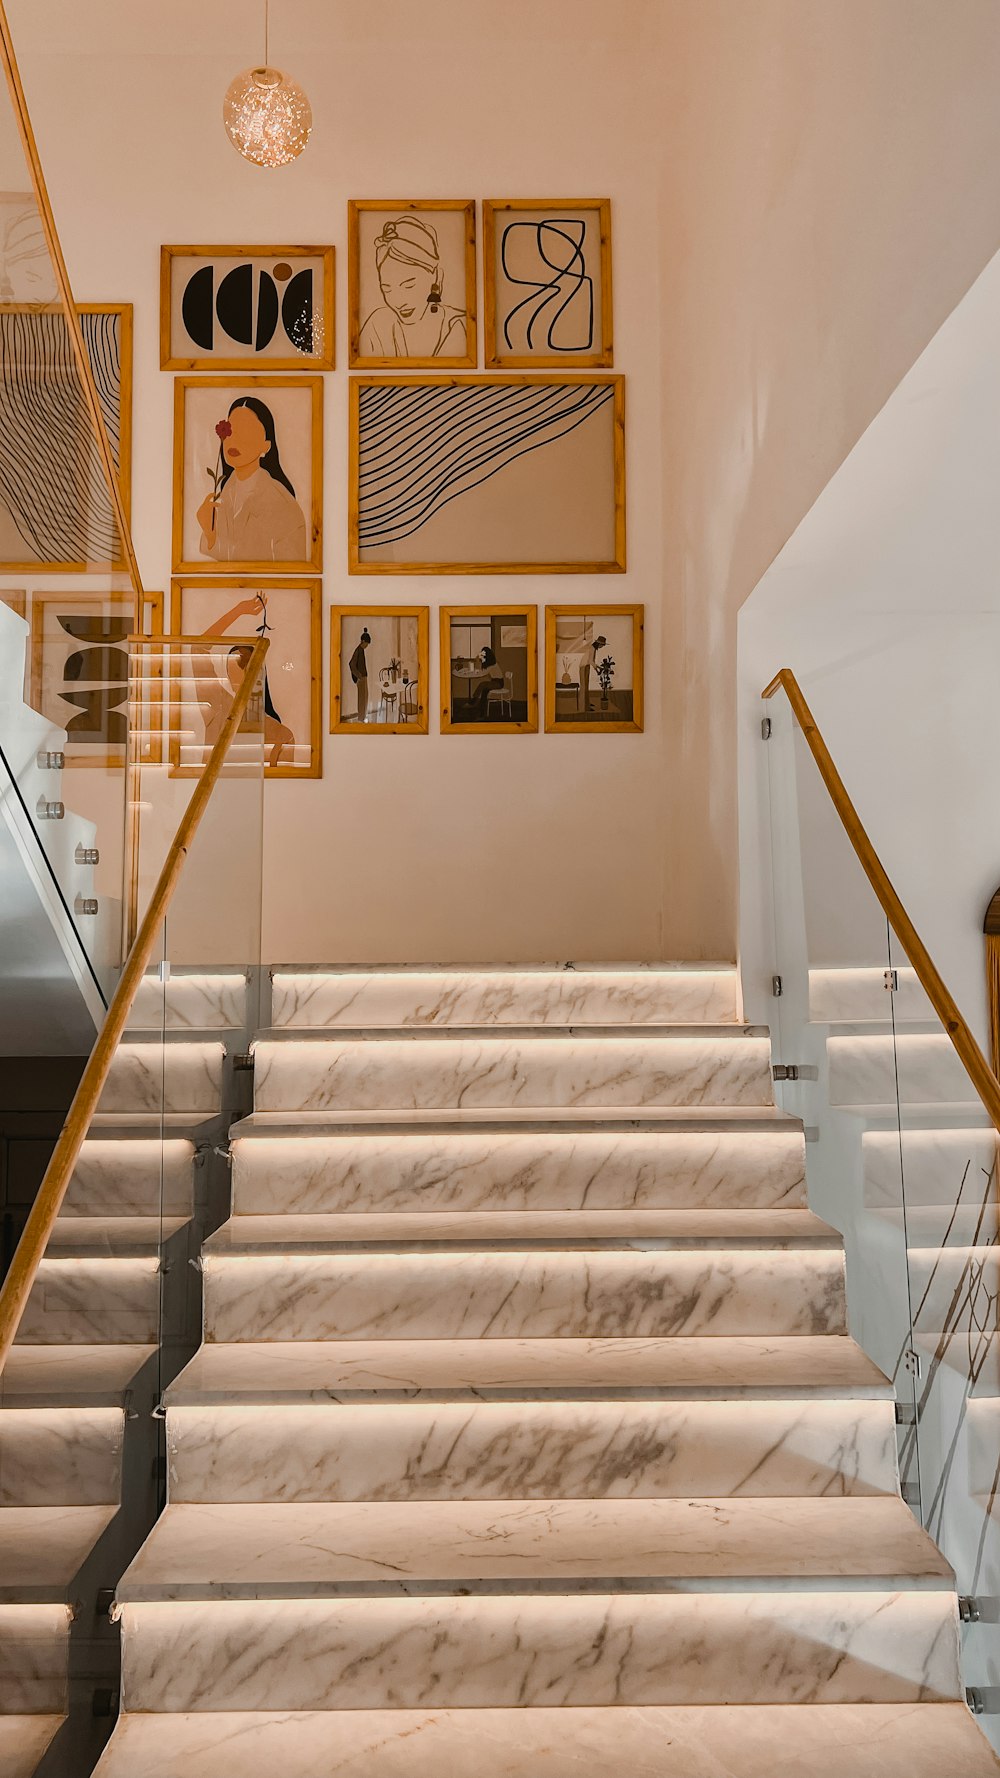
x=379, y=670
x=411, y=283
x=593, y=669
x=56, y=514
x=79, y=674
x=288, y=613
x=547, y=282
x=246, y=308
x=489, y=670
x=483, y=475
x=16, y=598
x=248, y=474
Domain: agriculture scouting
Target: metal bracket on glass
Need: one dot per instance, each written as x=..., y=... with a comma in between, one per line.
x=243, y=1064
x=794, y=1071
x=913, y=1362
x=974, y=1699
x=86, y=855
x=765, y=728
x=777, y=987
x=51, y=762
x=85, y=904
x=968, y=1610
x=47, y=811
x=891, y=979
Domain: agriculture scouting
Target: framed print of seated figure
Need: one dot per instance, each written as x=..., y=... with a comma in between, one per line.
x=593, y=669
x=489, y=670
x=248, y=474
x=412, y=283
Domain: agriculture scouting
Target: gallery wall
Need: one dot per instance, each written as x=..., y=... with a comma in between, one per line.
x=784, y=178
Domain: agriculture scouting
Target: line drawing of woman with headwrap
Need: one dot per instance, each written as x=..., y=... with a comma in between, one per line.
x=252, y=514
x=413, y=320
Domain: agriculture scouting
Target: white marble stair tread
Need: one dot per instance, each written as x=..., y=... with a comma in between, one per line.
x=317, y=1550
x=63, y=1456
x=195, y=1001
x=707, y=1741
x=23, y=1740
x=555, y=1228
x=134, y=1177
x=180, y=1076
x=720, y=1119
x=111, y=1237
x=793, y=1367
x=43, y=1547
x=75, y=1376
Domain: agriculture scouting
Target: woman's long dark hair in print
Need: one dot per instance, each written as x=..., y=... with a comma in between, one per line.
x=270, y=461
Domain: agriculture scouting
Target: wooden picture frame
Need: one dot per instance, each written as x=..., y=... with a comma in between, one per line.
x=572, y=401
x=594, y=216
x=263, y=389
x=117, y=412
x=493, y=620
x=186, y=591
x=587, y=690
x=278, y=265
x=391, y=714
x=361, y=356
x=57, y=704
x=17, y=599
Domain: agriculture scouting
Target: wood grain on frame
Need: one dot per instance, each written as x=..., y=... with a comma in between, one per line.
x=603, y=355
x=324, y=360
x=530, y=615
x=637, y=614
x=341, y=726
x=250, y=584
x=614, y=565
x=314, y=520
x=358, y=207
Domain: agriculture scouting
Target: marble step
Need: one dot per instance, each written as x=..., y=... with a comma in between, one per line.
x=68, y=1456
x=869, y=1072
x=38, y=1376
x=93, y=1301
x=132, y=1177
x=530, y=1450
x=178, y=1077
x=478, y=1230
x=517, y=1651
x=796, y=1368
x=939, y=1168
x=465, y=1170
x=191, y=1001
x=503, y=1293
x=569, y=995
x=860, y=996
x=24, y=1739
x=34, y=1661
x=739, y=1741
x=580, y=1068
x=42, y=1549
x=111, y=1237
x=445, y=1547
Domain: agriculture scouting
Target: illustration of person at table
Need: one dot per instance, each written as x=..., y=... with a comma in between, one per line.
x=252, y=514
x=490, y=679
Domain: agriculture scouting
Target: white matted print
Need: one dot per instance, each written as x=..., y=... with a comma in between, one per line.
x=287, y=612
x=248, y=474
x=593, y=669
x=378, y=670
x=246, y=308
x=412, y=283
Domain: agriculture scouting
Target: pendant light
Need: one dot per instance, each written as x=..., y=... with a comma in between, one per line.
x=268, y=117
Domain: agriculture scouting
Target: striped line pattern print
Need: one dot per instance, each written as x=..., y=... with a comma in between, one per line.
x=423, y=446
x=51, y=478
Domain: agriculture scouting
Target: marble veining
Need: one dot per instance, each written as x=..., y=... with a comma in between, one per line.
x=132, y=1177
x=93, y=1301
x=190, y=1003
x=34, y=1650
x=504, y=997
x=860, y=996
x=60, y=1456
x=157, y=1077
x=923, y=1069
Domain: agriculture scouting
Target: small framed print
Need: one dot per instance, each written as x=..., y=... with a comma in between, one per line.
x=79, y=677
x=412, y=284
x=547, y=282
x=248, y=475
x=379, y=670
x=288, y=613
x=489, y=670
x=593, y=669
x=247, y=308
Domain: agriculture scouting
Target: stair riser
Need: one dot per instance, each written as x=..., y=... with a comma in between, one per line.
x=550, y=1171
x=508, y=997
x=499, y=1295
x=34, y=1657
x=517, y=1652
x=190, y=1003
x=131, y=1177
x=922, y=1070
x=60, y=1456
x=445, y=1073
x=942, y=1167
x=149, y=1077
x=530, y=1450
x=99, y=1302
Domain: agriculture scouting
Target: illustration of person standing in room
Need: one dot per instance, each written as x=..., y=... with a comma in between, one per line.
x=588, y=665
x=216, y=695
x=252, y=514
x=413, y=320
x=358, y=668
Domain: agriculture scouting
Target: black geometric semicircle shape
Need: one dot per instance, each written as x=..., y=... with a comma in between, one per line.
x=234, y=304
x=196, y=307
x=267, y=311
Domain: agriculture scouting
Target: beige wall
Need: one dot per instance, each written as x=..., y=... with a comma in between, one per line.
x=802, y=190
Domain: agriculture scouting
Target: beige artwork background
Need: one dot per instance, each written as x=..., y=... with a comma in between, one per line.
x=458, y=288
x=502, y=295
x=205, y=404
x=180, y=352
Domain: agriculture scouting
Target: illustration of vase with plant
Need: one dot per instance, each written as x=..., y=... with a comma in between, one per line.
x=567, y=677
x=394, y=669
x=605, y=674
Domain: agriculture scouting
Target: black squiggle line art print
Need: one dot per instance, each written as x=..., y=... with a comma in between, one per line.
x=51, y=479
x=420, y=448
x=557, y=302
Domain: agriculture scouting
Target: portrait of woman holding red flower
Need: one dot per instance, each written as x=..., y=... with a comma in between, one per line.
x=251, y=513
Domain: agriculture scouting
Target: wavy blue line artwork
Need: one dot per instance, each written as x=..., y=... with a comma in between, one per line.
x=547, y=258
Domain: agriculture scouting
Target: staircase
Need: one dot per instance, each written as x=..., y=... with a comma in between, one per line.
x=526, y=1438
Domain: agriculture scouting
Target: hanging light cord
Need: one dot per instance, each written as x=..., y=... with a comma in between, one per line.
x=267, y=33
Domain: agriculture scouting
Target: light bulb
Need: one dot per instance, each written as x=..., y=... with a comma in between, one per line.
x=267, y=117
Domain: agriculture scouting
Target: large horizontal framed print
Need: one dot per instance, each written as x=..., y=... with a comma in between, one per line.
x=248, y=474
x=547, y=282
x=412, y=283
x=487, y=475
x=378, y=670
x=247, y=308
x=593, y=669
x=289, y=712
x=79, y=678
x=56, y=514
x=489, y=670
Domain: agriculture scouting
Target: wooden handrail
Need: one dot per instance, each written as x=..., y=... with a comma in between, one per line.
x=971, y=1056
x=42, y=1216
